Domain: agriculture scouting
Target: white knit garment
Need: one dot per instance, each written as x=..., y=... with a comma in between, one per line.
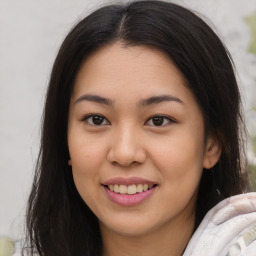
x=229, y=229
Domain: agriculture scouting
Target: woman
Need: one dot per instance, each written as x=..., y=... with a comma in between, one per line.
x=141, y=138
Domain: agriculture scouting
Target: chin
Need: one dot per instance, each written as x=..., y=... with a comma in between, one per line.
x=128, y=230
x=133, y=225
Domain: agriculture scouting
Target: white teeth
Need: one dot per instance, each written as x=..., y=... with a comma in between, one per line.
x=123, y=189
x=131, y=189
x=139, y=188
x=145, y=187
x=116, y=188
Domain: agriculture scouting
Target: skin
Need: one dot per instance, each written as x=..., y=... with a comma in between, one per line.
x=128, y=143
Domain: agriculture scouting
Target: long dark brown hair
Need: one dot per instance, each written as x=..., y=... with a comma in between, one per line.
x=59, y=223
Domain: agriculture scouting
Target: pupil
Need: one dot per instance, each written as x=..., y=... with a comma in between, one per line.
x=97, y=120
x=158, y=121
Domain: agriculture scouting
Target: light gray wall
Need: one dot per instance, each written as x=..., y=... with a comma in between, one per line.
x=30, y=34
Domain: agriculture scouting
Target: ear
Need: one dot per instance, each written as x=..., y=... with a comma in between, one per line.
x=212, y=153
x=69, y=162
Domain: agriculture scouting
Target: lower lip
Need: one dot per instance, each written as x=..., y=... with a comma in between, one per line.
x=129, y=200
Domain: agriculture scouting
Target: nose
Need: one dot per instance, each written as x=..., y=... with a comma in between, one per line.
x=126, y=148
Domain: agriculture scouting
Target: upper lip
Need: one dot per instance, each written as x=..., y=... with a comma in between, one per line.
x=128, y=181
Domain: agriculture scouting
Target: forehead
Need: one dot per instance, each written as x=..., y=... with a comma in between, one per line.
x=136, y=70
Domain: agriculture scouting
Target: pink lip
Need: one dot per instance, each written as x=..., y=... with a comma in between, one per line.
x=129, y=200
x=128, y=181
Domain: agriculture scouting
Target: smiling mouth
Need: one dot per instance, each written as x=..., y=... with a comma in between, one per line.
x=130, y=189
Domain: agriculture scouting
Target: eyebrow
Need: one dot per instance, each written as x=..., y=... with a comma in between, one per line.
x=159, y=99
x=142, y=103
x=95, y=98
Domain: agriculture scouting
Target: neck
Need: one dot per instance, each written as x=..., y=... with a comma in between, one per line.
x=169, y=240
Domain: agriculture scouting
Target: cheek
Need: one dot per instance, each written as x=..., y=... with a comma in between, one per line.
x=86, y=153
x=179, y=157
x=87, y=157
x=180, y=165
x=85, y=171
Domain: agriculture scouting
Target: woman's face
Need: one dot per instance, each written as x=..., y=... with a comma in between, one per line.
x=135, y=127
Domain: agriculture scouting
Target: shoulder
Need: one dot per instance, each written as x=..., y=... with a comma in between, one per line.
x=229, y=229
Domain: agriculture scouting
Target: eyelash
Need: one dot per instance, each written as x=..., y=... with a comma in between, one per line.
x=106, y=122
x=165, y=118
x=87, y=117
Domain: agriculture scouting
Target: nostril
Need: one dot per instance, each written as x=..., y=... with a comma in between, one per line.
x=125, y=164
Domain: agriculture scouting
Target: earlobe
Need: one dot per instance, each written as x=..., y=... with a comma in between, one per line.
x=69, y=162
x=212, y=153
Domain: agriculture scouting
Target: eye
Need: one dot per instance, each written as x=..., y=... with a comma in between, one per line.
x=159, y=121
x=96, y=120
